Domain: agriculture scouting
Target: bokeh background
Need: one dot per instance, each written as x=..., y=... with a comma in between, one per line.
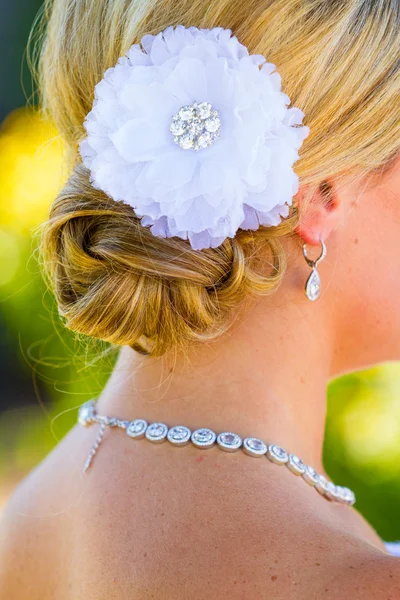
x=46, y=373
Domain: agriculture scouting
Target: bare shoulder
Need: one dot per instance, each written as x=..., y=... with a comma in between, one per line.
x=17, y=535
x=162, y=525
x=31, y=542
x=370, y=575
x=363, y=575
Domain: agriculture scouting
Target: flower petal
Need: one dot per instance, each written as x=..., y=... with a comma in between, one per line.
x=138, y=140
x=167, y=173
x=188, y=81
x=245, y=178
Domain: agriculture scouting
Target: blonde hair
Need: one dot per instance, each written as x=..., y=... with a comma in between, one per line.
x=113, y=279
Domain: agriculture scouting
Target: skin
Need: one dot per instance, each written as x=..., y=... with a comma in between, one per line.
x=154, y=521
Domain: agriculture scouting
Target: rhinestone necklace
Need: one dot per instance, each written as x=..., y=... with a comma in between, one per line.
x=179, y=435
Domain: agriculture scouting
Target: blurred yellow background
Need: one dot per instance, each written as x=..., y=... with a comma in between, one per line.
x=42, y=365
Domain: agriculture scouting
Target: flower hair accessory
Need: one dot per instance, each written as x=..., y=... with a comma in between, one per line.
x=196, y=135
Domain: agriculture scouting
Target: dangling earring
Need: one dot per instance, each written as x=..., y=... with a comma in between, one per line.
x=313, y=283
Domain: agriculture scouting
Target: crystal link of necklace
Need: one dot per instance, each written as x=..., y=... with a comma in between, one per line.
x=179, y=435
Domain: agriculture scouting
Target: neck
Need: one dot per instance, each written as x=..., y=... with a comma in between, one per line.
x=264, y=379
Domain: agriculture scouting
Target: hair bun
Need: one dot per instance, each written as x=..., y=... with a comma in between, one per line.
x=115, y=281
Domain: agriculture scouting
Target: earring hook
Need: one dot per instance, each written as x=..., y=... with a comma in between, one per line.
x=313, y=263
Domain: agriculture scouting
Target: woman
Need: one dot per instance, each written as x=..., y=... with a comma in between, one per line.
x=198, y=211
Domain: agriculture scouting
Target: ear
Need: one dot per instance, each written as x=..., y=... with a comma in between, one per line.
x=319, y=210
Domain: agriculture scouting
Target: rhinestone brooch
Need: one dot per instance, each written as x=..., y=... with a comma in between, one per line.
x=179, y=435
x=195, y=126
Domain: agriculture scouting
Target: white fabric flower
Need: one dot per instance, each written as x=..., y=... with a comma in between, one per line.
x=243, y=176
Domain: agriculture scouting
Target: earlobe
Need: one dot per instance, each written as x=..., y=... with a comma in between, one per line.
x=319, y=210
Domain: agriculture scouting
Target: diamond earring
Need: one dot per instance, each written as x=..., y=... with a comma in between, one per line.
x=313, y=283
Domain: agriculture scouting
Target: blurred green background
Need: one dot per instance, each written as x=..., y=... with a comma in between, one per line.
x=45, y=373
